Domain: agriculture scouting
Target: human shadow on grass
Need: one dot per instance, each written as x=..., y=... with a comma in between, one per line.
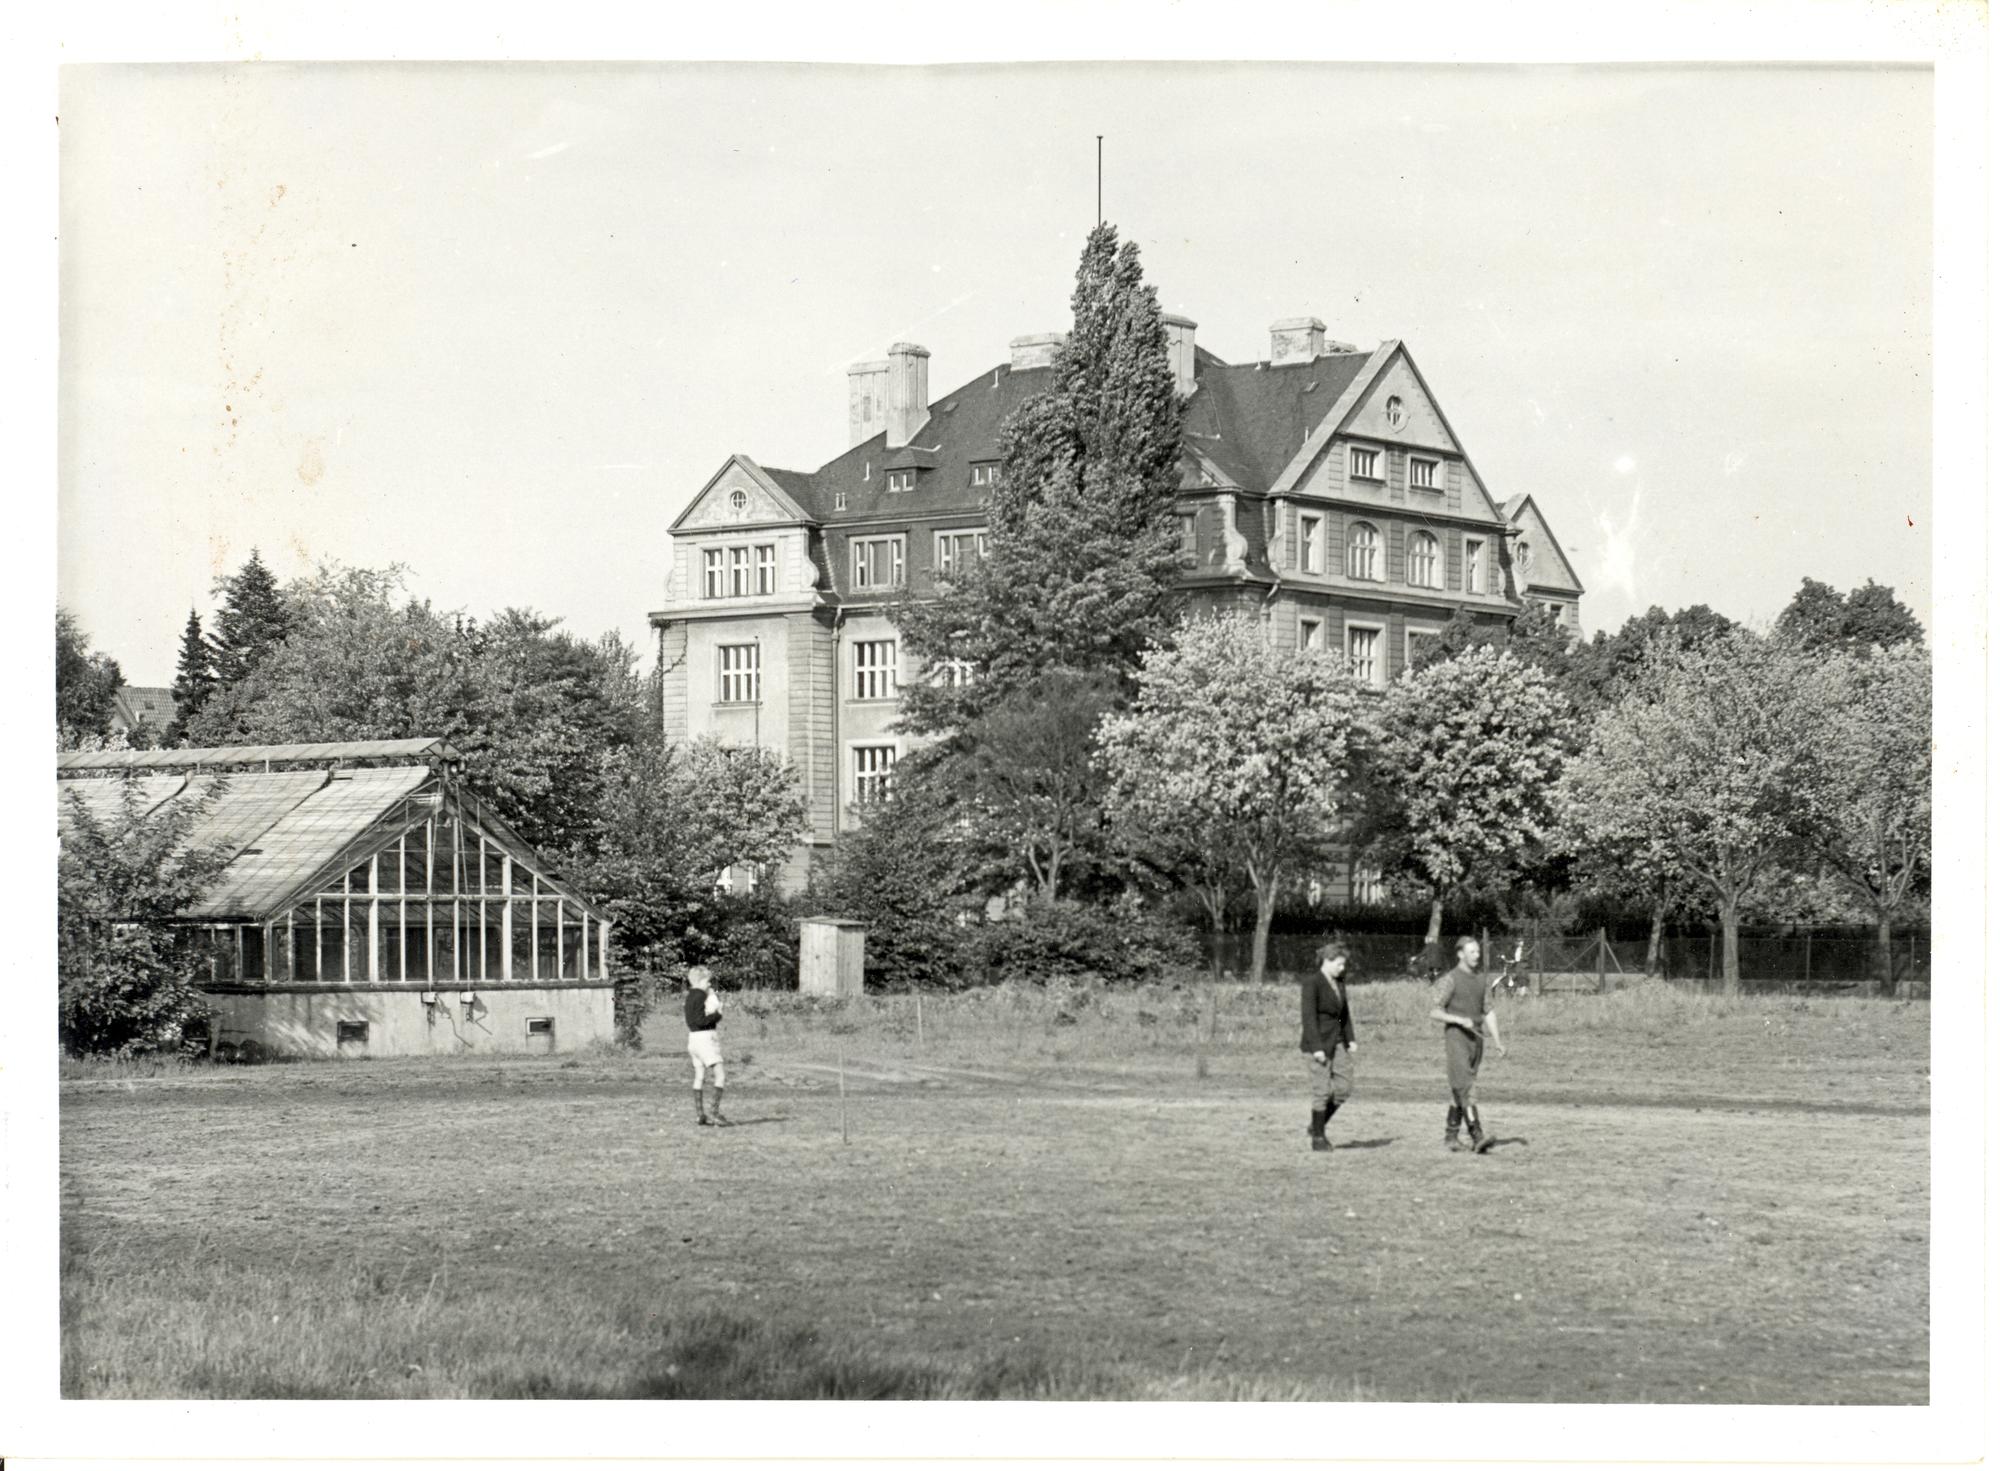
x=1498, y=1143
x=1363, y=1143
x=776, y=1118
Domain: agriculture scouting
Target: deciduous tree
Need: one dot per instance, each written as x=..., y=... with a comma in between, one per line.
x=1240, y=749
x=1820, y=620
x=87, y=683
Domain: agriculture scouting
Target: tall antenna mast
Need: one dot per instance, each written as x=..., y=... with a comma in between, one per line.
x=1100, y=179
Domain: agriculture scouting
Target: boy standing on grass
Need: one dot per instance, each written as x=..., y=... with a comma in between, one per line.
x=704, y=1015
x=1327, y=1039
x=1459, y=1001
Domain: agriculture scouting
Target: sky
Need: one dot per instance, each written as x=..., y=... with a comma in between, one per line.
x=498, y=323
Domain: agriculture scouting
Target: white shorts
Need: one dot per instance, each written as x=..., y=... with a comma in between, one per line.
x=705, y=1048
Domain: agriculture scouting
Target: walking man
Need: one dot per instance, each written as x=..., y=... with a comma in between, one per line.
x=704, y=1015
x=1459, y=1002
x=1327, y=1039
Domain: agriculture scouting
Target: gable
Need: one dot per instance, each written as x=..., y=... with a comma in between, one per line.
x=1398, y=407
x=1539, y=560
x=739, y=494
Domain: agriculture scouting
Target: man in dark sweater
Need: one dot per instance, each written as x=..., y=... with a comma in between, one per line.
x=1326, y=1037
x=1459, y=1002
x=703, y=1014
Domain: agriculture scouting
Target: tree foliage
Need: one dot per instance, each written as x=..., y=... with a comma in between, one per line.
x=194, y=676
x=903, y=873
x=87, y=683
x=1466, y=753
x=1820, y=620
x=1240, y=750
x=253, y=620
x=125, y=975
x=1709, y=762
x=1082, y=562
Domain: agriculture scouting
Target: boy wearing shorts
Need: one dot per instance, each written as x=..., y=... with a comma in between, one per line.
x=1326, y=1037
x=704, y=1015
x=1459, y=1002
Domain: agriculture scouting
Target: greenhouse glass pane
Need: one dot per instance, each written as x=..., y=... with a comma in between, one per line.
x=524, y=945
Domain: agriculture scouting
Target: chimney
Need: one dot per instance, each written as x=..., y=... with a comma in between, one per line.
x=1180, y=352
x=1297, y=340
x=909, y=392
x=867, y=400
x=1037, y=350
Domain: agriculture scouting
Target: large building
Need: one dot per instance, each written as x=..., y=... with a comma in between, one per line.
x=1322, y=487
x=370, y=906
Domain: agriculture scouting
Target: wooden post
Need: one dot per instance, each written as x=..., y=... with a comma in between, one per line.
x=920, y=1021
x=1600, y=960
x=1809, y=957
x=1535, y=984
x=1711, y=955
x=1485, y=950
x=1201, y=1038
x=842, y=1055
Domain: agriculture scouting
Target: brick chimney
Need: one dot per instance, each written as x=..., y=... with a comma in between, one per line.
x=1180, y=352
x=867, y=400
x=909, y=392
x=1297, y=340
x=1037, y=350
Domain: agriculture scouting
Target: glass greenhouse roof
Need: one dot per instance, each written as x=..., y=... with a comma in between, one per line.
x=417, y=747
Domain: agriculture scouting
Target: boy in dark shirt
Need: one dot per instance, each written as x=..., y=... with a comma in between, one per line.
x=704, y=1014
x=1459, y=1001
x=1326, y=1037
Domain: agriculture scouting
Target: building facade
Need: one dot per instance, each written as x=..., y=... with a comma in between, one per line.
x=1323, y=488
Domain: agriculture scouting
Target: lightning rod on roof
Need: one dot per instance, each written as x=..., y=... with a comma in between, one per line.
x=1100, y=180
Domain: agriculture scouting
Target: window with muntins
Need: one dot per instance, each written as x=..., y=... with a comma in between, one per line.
x=878, y=563
x=1186, y=520
x=958, y=550
x=1312, y=544
x=1475, y=564
x=873, y=769
x=1364, y=552
x=1423, y=559
x=875, y=669
x=739, y=572
x=987, y=473
x=1364, y=654
x=901, y=480
x=1364, y=464
x=711, y=573
x=742, y=681
x=767, y=570
x=1309, y=633
x=1423, y=474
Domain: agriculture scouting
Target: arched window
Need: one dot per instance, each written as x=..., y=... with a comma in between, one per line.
x=1364, y=552
x=1423, y=560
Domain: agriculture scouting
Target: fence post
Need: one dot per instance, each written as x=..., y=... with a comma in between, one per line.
x=1535, y=984
x=1808, y=957
x=1710, y=978
x=1600, y=960
x=1485, y=950
x=920, y=1021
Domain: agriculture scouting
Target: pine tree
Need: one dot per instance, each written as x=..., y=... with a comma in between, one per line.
x=194, y=678
x=254, y=619
x=1082, y=564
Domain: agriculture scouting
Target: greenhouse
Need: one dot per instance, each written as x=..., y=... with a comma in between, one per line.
x=370, y=904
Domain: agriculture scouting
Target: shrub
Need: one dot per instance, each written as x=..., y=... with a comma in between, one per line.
x=1064, y=940
x=902, y=875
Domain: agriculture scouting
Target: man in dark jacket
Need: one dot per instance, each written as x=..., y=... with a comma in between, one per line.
x=1326, y=1037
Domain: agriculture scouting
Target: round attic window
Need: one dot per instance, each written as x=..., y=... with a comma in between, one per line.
x=738, y=500
x=1398, y=416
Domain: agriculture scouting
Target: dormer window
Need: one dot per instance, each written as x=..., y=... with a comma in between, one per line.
x=840, y=500
x=986, y=472
x=902, y=480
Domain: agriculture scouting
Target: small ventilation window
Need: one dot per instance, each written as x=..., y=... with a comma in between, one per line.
x=351, y=1034
x=541, y=1026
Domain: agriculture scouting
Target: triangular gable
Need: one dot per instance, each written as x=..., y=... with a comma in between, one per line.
x=1471, y=470
x=765, y=502
x=1423, y=423
x=1317, y=441
x=1548, y=566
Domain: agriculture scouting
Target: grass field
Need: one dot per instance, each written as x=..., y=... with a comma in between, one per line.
x=1048, y=1195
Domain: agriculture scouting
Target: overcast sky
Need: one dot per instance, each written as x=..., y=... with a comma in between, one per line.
x=498, y=323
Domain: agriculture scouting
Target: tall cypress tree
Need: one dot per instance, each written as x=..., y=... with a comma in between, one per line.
x=252, y=621
x=1082, y=564
x=194, y=677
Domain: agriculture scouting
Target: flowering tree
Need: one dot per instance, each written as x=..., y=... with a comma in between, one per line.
x=1239, y=750
x=1871, y=808
x=1709, y=765
x=1467, y=753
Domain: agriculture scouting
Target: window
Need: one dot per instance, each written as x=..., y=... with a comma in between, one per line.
x=873, y=766
x=986, y=473
x=1310, y=630
x=1423, y=560
x=350, y=1034
x=739, y=572
x=1475, y=564
x=1367, y=884
x=742, y=674
x=767, y=570
x=840, y=500
x=958, y=550
x=1423, y=474
x=1364, y=653
x=1364, y=464
x=1312, y=544
x=711, y=573
x=1364, y=552
x=738, y=501
x=1187, y=541
x=1395, y=413
x=902, y=480
x=878, y=562
x=541, y=1026
x=952, y=673
x=875, y=669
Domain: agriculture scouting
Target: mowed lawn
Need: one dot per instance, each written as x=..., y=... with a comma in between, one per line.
x=1049, y=1195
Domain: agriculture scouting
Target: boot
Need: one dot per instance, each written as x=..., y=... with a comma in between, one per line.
x=701, y=1106
x=1317, y=1129
x=1452, y=1117
x=715, y=1109
x=1480, y=1143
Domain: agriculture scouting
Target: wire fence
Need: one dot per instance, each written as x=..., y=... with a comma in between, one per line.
x=1768, y=959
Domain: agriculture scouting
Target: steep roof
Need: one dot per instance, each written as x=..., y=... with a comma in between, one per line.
x=1252, y=418
x=145, y=703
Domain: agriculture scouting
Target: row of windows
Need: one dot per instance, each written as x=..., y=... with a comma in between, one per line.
x=1367, y=649
x=739, y=572
x=1364, y=463
x=1423, y=557
x=984, y=473
x=878, y=560
x=740, y=672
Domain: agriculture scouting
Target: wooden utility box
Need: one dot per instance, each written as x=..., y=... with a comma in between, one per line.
x=831, y=953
